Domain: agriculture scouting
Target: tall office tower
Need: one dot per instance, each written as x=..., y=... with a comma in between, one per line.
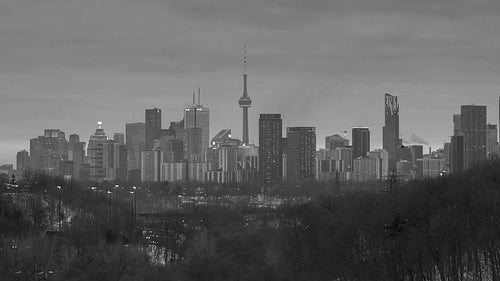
x=22, y=161
x=175, y=126
x=492, y=141
x=110, y=155
x=48, y=150
x=198, y=116
x=153, y=127
x=334, y=141
x=119, y=138
x=457, y=125
x=270, y=148
x=457, y=154
x=76, y=153
x=245, y=102
x=360, y=141
x=122, y=168
x=136, y=140
x=177, y=149
x=474, y=130
x=447, y=152
x=301, y=153
x=192, y=142
x=391, y=129
x=95, y=151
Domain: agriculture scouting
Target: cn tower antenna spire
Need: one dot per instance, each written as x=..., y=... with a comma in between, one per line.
x=245, y=59
x=199, y=99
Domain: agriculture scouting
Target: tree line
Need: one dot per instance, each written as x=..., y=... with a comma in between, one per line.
x=443, y=229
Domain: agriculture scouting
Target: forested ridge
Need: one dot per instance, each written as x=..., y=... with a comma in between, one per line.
x=435, y=229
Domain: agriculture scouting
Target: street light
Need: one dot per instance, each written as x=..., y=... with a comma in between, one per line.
x=134, y=201
x=116, y=198
x=109, y=201
x=59, y=207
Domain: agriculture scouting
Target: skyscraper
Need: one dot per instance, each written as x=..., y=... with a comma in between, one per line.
x=95, y=151
x=334, y=141
x=492, y=141
x=135, y=140
x=270, y=148
x=391, y=129
x=245, y=102
x=76, y=153
x=457, y=125
x=48, y=150
x=360, y=141
x=192, y=142
x=474, y=129
x=153, y=127
x=119, y=138
x=151, y=165
x=22, y=161
x=457, y=154
x=301, y=153
x=198, y=116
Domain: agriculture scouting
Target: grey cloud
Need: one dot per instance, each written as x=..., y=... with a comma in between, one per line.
x=414, y=139
x=290, y=14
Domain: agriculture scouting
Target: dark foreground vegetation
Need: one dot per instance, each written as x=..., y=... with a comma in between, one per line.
x=436, y=229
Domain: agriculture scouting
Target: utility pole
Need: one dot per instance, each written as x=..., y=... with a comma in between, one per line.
x=109, y=205
x=337, y=182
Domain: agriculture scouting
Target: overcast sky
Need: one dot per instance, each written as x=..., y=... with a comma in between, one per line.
x=68, y=63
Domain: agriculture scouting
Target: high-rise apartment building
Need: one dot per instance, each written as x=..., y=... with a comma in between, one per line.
x=360, y=141
x=372, y=167
x=391, y=129
x=270, y=148
x=151, y=165
x=136, y=140
x=198, y=116
x=301, y=153
x=152, y=127
x=432, y=166
x=474, y=129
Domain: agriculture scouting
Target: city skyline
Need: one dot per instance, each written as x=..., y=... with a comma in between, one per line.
x=68, y=74
x=377, y=144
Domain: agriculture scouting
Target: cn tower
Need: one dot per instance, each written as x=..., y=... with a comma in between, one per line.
x=245, y=102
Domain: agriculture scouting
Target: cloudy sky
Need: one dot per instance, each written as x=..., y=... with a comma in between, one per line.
x=69, y=63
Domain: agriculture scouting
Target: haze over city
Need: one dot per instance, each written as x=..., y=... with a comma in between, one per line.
x=67, y=64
